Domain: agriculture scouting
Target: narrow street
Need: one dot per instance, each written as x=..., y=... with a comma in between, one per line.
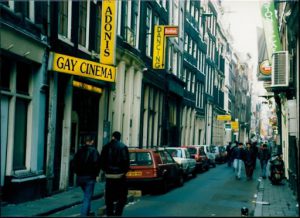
x=212, y=193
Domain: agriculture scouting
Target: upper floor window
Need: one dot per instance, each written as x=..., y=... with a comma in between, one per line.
x=83, y=33
x=26, y=8
x=98, y=28
x=64, y=19
x=187, y=5
x=148, y=31
x=175, y=13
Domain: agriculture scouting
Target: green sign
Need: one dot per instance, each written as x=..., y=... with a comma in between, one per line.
x=270, y=27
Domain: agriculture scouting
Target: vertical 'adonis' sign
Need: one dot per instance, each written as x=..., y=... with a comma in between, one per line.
x=108, y=32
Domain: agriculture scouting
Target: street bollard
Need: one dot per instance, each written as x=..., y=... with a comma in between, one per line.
x=244, y=211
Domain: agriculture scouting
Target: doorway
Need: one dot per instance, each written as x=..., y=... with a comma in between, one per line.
x=85, y=116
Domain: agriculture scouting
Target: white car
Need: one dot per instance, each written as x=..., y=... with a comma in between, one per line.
x=211, y=156
x=184, y=159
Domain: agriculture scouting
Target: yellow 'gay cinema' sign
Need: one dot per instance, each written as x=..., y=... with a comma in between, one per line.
x=80, y=67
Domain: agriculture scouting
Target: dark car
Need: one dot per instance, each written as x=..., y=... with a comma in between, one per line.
x=197, y=152
x=153, y=167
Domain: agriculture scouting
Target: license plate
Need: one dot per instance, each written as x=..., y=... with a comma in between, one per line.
x=134, y=173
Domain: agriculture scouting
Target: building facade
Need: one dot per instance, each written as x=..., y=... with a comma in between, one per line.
x=55, y=88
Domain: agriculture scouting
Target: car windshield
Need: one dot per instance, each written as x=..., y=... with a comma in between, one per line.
x=175, y=152
x=140, y=159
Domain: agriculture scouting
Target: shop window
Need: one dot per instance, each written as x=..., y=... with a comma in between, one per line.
x=20, y=134
x=16, y=93
x=5, y=73
x=23, y=73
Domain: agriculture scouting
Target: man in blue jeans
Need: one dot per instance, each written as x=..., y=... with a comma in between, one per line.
x=264, y=155
x=86, y=164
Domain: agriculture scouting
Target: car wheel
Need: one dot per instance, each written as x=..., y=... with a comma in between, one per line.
x=164, y=186
x=180, y=180
x=194, y=173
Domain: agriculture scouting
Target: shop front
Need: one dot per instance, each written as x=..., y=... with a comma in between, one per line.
x=78, y=91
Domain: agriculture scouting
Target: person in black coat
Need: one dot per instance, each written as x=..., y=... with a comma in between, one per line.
x=115, y=164
x=264, y=155
x=86, y=164
x=249, y=160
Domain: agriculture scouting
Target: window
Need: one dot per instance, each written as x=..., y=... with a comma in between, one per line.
x=187, y=6
x=22, y=7
x=98, y=28
x=148, y=31
x=186, y=39
x=82, y=28
x=16, y=98
x=175, y=13
x=175, y=62
x=64, y=19
x=134, y=19
x=193, y=84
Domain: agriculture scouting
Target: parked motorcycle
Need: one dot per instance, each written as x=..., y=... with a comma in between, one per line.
x=276, y=169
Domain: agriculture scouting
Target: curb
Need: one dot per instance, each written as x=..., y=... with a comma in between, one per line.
x=260, y=191
x=47, y=213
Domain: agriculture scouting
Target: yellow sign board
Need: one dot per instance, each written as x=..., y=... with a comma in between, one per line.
x=108, y=32
x=81, y=67
x=158, y=48
x=235, y=125
x=86, y=86
x=224, y=117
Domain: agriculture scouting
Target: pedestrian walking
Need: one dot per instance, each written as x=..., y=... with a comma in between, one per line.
x=115, y=164
x=86, y=164
x=255, y=149
x=237, y=155
x=264, y=155
x=249, y=160
x=228, y=150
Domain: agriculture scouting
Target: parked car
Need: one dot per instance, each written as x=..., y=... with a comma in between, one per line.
x=215, y=150
x=211, y=156
x=223, y=153
x=197, y=152
x=153, y=167
x=184, y=159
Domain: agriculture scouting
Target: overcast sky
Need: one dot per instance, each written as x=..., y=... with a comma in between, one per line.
x=244, y=17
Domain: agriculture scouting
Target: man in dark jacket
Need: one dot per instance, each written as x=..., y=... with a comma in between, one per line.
x=115, y=164
x=86, y=165
x=238, y=155
x=264, y=155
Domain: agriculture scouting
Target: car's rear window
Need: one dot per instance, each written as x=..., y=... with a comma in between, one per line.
x=192, y=150
x=140, y=158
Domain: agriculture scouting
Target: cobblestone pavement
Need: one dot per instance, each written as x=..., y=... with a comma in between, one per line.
x=275, y=200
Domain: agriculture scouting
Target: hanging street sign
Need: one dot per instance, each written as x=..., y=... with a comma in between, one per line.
x=159, y=44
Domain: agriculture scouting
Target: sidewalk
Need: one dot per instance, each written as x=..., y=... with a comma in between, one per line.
x=51, y=204
x=275, y=200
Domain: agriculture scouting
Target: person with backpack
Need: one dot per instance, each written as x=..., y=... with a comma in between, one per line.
x=86, y=165
x=115, y=164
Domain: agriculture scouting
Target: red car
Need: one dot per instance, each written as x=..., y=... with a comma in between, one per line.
x=197, y=152
x=153, y=167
